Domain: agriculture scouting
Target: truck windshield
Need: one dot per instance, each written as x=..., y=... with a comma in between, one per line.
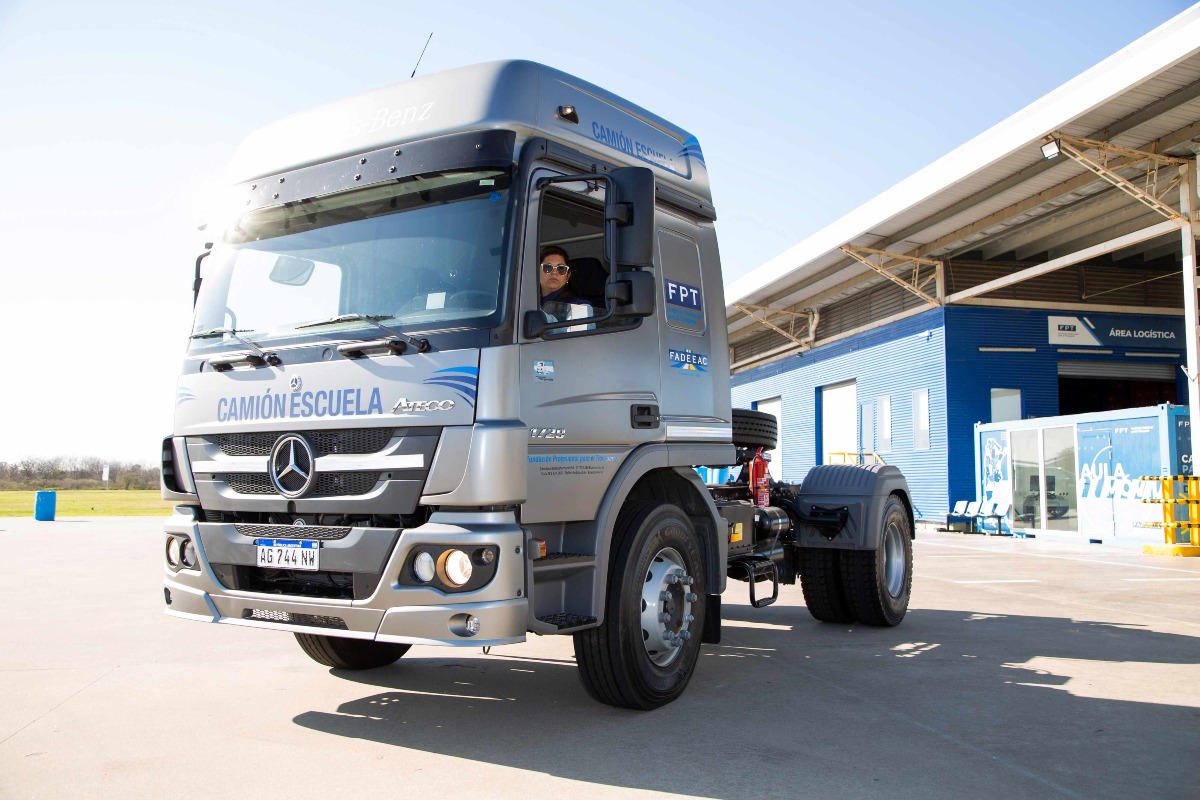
x=422, y=253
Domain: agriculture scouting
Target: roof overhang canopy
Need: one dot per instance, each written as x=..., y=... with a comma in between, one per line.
x=997, y=213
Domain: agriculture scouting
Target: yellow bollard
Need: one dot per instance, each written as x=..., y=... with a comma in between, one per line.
x=1189, y=496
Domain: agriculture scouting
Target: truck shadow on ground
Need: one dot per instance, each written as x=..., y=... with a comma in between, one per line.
x=786, y=705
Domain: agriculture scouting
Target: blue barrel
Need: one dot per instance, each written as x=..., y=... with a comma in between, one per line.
x=43, y=506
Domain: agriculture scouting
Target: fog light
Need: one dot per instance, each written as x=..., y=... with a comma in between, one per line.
x=187, y=555
x=424, y=568
x=485, y=556
x=464, y=625
x=454, y=568
x=173, y=552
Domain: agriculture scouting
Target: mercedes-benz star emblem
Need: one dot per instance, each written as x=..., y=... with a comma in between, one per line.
x=295, y=383
x=292, y=466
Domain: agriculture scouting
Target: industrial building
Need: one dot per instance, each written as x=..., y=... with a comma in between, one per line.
x=1046, y=267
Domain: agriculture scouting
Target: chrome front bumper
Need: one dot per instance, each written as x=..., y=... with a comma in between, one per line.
x=391, y=613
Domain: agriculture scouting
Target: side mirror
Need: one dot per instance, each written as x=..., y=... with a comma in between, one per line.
x=634, y=294
x=630, y=203
x=535, y=323
x=292, y=271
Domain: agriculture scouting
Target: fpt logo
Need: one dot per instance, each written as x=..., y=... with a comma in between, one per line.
x=1067, y=328
x=681, y=294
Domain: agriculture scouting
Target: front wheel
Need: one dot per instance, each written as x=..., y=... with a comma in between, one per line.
x=643, y=654
x=878, y=582
x=341, y=653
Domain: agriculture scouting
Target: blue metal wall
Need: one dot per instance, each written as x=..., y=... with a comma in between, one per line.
x=971, y=375
x=937, y=350
x=891, y=361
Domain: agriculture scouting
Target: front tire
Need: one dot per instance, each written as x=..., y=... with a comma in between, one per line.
x=341, y=653
x=643, y=654
x=878, y=582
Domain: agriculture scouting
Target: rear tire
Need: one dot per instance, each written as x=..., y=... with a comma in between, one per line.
x=754, y=429
x=341, y=653
x=821, y=582
x=643, y=654
x=878, y=582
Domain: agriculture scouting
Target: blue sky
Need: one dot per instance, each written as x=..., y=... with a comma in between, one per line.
x=115, y=117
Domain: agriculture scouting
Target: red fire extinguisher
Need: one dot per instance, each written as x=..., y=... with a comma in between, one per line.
x=760, y=480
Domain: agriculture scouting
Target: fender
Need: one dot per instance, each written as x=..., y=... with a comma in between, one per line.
x=642, y=461
x=863, y=491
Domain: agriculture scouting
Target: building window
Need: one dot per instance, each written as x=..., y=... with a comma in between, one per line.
x=920, y=400
x=883, y=427
x=839, y=423
x=1006, y=404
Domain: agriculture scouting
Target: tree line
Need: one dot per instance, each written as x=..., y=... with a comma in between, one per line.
x=41, y=474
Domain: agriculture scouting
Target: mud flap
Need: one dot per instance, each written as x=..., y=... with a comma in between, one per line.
x=861, y=491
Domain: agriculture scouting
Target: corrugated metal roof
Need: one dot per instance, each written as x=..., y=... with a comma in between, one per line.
x=997, y=185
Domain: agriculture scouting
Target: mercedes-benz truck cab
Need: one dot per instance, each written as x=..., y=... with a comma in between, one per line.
x=384, y=437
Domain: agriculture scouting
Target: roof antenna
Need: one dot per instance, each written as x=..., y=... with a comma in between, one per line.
x=423, y=49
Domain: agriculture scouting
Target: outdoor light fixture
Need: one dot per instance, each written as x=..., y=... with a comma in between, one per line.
x=569, y=114
x=1051, y=149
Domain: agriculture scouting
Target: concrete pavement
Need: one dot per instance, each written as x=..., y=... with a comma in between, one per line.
x=1024, y=670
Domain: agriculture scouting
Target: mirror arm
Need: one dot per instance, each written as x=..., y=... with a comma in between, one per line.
x=196, y=283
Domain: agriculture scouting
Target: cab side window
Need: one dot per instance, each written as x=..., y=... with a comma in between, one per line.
x=571, y=234
x=571, y=270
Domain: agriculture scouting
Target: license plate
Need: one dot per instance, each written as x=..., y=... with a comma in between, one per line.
x=288, y=554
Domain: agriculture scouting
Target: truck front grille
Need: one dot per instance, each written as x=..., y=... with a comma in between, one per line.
x=287, y=617
x=324, y=585
x=353, y=441
x=329, y=484
x=322, y=532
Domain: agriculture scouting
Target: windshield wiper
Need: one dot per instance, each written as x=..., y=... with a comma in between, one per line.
x=397, y=343
x=220, y=363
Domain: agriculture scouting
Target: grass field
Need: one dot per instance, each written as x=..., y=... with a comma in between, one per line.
x=89, y=503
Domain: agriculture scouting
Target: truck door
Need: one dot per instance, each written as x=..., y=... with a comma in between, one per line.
x=590, y=393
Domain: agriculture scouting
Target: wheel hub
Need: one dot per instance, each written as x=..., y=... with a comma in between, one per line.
x=894, y=562
x=666, y=607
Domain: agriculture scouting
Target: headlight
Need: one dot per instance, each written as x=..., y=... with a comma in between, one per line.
x=187, y=555
x=454, y=568
x=424, y=568
x=173, y=552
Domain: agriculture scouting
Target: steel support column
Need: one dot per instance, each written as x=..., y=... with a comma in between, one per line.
x=1187, y=207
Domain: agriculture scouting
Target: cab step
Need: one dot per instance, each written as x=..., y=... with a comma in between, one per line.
x=753, y=569
x=564, y=620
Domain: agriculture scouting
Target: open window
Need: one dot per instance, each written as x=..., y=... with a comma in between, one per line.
x=573, y=223
x=588, y=238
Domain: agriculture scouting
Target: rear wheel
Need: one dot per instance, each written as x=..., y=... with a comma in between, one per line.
x=342, y=653
x=643, y=654
x=879, y=582
x=821, y=582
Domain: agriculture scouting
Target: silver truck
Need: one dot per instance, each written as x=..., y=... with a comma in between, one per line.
x=385, y=435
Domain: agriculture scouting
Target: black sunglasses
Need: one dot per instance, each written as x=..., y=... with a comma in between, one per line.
x=561, y=269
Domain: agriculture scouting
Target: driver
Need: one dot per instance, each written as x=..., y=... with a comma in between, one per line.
x=553, y=273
